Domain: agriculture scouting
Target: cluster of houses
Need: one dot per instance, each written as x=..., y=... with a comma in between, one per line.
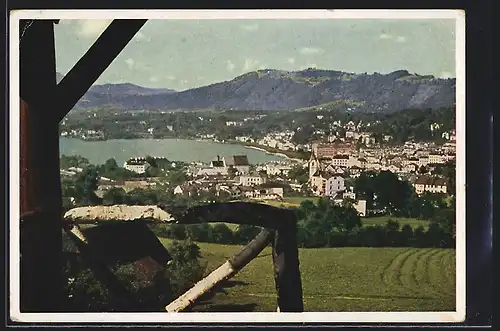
x=232, y=189
x=331, y=164
x=353, y=132
x=235, y=177
x=84, y=134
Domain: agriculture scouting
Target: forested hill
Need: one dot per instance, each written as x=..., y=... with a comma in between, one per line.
x=288, y=90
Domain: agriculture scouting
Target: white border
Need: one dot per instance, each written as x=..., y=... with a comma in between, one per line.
x=316, y=317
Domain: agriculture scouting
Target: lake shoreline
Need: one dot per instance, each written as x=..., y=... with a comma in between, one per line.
x=261, y=148
x=185, y=150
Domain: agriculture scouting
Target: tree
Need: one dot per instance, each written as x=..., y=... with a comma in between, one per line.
x=153, y=172
x=114, y=196
x=112, y=170
x=177, y=231
x=392, y=232
x=348, y=219
x=299, y=174
x=222, y=234
x=305, y=208
x=391, y=192
x=78, y=161
x=245, y=233
x=303, y=135
x=364, y=187
x=143, y=197
x=445, y=219
x=199, y=232
x=420, y=237
x=176, y=177
x=422, y=170
x=434, y=236
x=86, y=184
x=151, y=161
x=406, y=236
x=110, y=165
x=413, y=206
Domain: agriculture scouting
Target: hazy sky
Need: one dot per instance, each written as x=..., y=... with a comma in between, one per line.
x=182, y=54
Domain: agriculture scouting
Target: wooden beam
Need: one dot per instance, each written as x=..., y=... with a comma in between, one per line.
x=236, y=212
x=286, y=269
x=285, y=252
x=121, y=297
x=224, y=272
x=93, y=63
x=40, y=230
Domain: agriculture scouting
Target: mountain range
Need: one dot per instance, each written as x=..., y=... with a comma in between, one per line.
x=272, y=89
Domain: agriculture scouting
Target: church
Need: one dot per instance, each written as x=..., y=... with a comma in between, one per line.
x=325, y=178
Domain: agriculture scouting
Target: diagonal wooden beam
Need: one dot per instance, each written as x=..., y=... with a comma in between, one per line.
x=93, y=63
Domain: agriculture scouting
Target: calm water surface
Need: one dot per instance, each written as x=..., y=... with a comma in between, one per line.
x=173, y=149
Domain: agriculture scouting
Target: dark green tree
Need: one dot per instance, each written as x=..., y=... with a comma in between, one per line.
x=222, y=234
x=86, y=184
x=114, y=196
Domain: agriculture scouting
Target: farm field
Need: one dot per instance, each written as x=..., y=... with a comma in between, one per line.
x=341, y=279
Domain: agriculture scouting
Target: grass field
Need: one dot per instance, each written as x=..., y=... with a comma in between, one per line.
x=341, y=279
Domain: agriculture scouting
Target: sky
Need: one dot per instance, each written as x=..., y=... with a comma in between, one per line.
x=182, y=54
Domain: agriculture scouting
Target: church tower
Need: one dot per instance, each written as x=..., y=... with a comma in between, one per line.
x=314, y=164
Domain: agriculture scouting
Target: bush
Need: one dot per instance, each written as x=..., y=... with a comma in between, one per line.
x=185, y=269
x=245, y=233
x=176, y=231
x=85, y=293
x=222, y=234
x=199, y=232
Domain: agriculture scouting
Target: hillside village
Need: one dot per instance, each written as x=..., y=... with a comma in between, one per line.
x=333, y=164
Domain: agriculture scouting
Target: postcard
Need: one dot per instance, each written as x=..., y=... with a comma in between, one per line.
x=237, y=166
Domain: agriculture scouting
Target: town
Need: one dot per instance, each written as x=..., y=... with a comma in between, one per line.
x=330, y=171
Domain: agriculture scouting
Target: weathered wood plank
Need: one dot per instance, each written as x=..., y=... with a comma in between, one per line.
x=224, y=272
x=92, y=214
x=93, y=63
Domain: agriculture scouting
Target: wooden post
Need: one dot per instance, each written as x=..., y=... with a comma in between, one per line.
x=40, y=228
x=121, y=297
x=43, y=105
x=286, y=269
x=285, y=251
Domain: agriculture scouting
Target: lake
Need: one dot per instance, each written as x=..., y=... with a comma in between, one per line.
x=97, y=152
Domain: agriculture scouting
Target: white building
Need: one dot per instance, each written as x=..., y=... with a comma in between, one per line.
x=360, y=207
x=137, y=165
x=340, y=160
x=248, y=180
x=430, y=184
x=350, y=194
x=334, y=185
x=436, y=159
x=212, y=171
x=273, y=169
